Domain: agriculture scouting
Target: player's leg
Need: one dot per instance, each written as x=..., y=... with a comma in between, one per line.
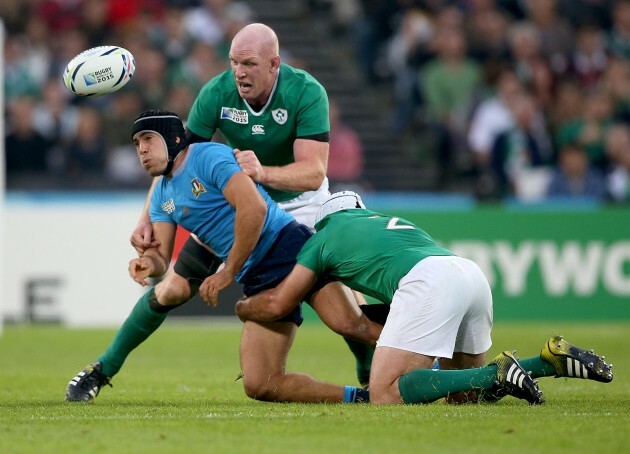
x=424, y=321
x=459, y=361
x=264, y=350
x=193, y=264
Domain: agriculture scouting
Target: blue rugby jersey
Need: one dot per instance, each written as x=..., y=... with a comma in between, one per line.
x=193, y=198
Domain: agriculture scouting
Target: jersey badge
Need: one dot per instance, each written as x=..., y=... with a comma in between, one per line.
x=280, y=116
x=197, y=188
x=168, y=206
x=235, y=115
x=258, y=129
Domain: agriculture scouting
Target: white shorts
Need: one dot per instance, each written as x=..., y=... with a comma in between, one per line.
x=443, y=305
x=305, y=207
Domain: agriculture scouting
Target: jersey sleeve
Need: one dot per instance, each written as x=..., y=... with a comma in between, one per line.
x=156, y=213
x=313, y=116
x=217, y=164
x=312, y=255
x=202, y=118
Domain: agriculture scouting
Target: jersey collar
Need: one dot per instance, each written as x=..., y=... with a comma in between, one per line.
x=273, y=90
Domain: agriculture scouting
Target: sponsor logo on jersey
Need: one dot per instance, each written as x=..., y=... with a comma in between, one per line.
x=197, y=188
x=168, y=206
x=258, y=129
x=235, y=115
x=280, y=116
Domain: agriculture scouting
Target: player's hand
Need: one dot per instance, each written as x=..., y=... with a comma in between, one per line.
x=142, y=237
x=250, y=164
x=212, y=285
x=140, y=269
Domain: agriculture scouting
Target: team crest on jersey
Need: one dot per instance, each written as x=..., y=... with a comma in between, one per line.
x=235, y=115
x=197, y=188
x=168, y=206
x=280, y=116
x=258, y=129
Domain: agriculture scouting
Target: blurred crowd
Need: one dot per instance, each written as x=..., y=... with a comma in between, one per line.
x=527, y=98
x=58, y=140
x=524, y=98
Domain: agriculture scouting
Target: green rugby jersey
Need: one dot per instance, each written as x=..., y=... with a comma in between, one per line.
x=297, y=107
x=369, y=252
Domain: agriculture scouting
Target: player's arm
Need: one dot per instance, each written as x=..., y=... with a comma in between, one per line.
x=305, y=174
x=251, y=211
x=154, y=261
x=273, y=304
x=142, y=237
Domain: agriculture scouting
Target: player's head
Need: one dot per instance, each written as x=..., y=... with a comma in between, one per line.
x=168, y=126
x=344, y=200
x=255, y=59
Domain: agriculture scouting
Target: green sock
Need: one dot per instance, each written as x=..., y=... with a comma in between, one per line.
x=363, y=354
x=427, y=385
x=140, y=324
x=538, y=367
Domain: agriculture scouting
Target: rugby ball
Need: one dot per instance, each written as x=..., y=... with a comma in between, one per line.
x=99, y=71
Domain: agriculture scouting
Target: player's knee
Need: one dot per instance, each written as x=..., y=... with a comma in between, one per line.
x=384, y=395
x=257, y=390
x=172, y=291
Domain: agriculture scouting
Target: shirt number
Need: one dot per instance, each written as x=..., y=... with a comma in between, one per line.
x=393, y=225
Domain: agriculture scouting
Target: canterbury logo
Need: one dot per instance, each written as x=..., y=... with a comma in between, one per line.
x=576, y=369
x=258, y=129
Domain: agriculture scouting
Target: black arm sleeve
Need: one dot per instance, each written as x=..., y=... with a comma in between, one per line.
x=323, y=137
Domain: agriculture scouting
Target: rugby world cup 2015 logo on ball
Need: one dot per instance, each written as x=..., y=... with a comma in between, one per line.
x=99, y=71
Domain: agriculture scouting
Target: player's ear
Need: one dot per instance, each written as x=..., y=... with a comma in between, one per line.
x=275, y=63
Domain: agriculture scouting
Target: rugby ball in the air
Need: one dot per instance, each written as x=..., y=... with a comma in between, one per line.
x=99, y=71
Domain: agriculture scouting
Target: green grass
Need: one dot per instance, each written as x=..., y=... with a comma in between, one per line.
x=177, y=393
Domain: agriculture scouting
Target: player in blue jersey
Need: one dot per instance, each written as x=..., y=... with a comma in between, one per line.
x=276, y=117
x=441, y=306
x=202, y=188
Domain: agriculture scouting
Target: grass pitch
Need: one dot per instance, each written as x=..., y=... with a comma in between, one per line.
x=177, y=393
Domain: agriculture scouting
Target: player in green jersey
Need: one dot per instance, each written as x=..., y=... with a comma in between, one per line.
x=282, y=114
x=441, y=307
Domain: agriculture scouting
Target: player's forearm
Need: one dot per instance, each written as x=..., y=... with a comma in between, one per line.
x=295, y=177
x=248, y=225
x=261, y=308
x=159, y=263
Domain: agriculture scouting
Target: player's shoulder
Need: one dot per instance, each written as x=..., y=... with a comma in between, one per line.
x=299, y=77
x=203, y=150
x=221, y=81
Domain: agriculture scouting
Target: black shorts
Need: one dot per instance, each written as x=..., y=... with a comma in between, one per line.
x=195, y=263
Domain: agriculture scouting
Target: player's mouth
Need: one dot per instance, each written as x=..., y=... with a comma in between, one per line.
x=244, y=86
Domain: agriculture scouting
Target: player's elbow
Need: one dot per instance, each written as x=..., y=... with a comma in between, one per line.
x=317, y=178
x=277, y=307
